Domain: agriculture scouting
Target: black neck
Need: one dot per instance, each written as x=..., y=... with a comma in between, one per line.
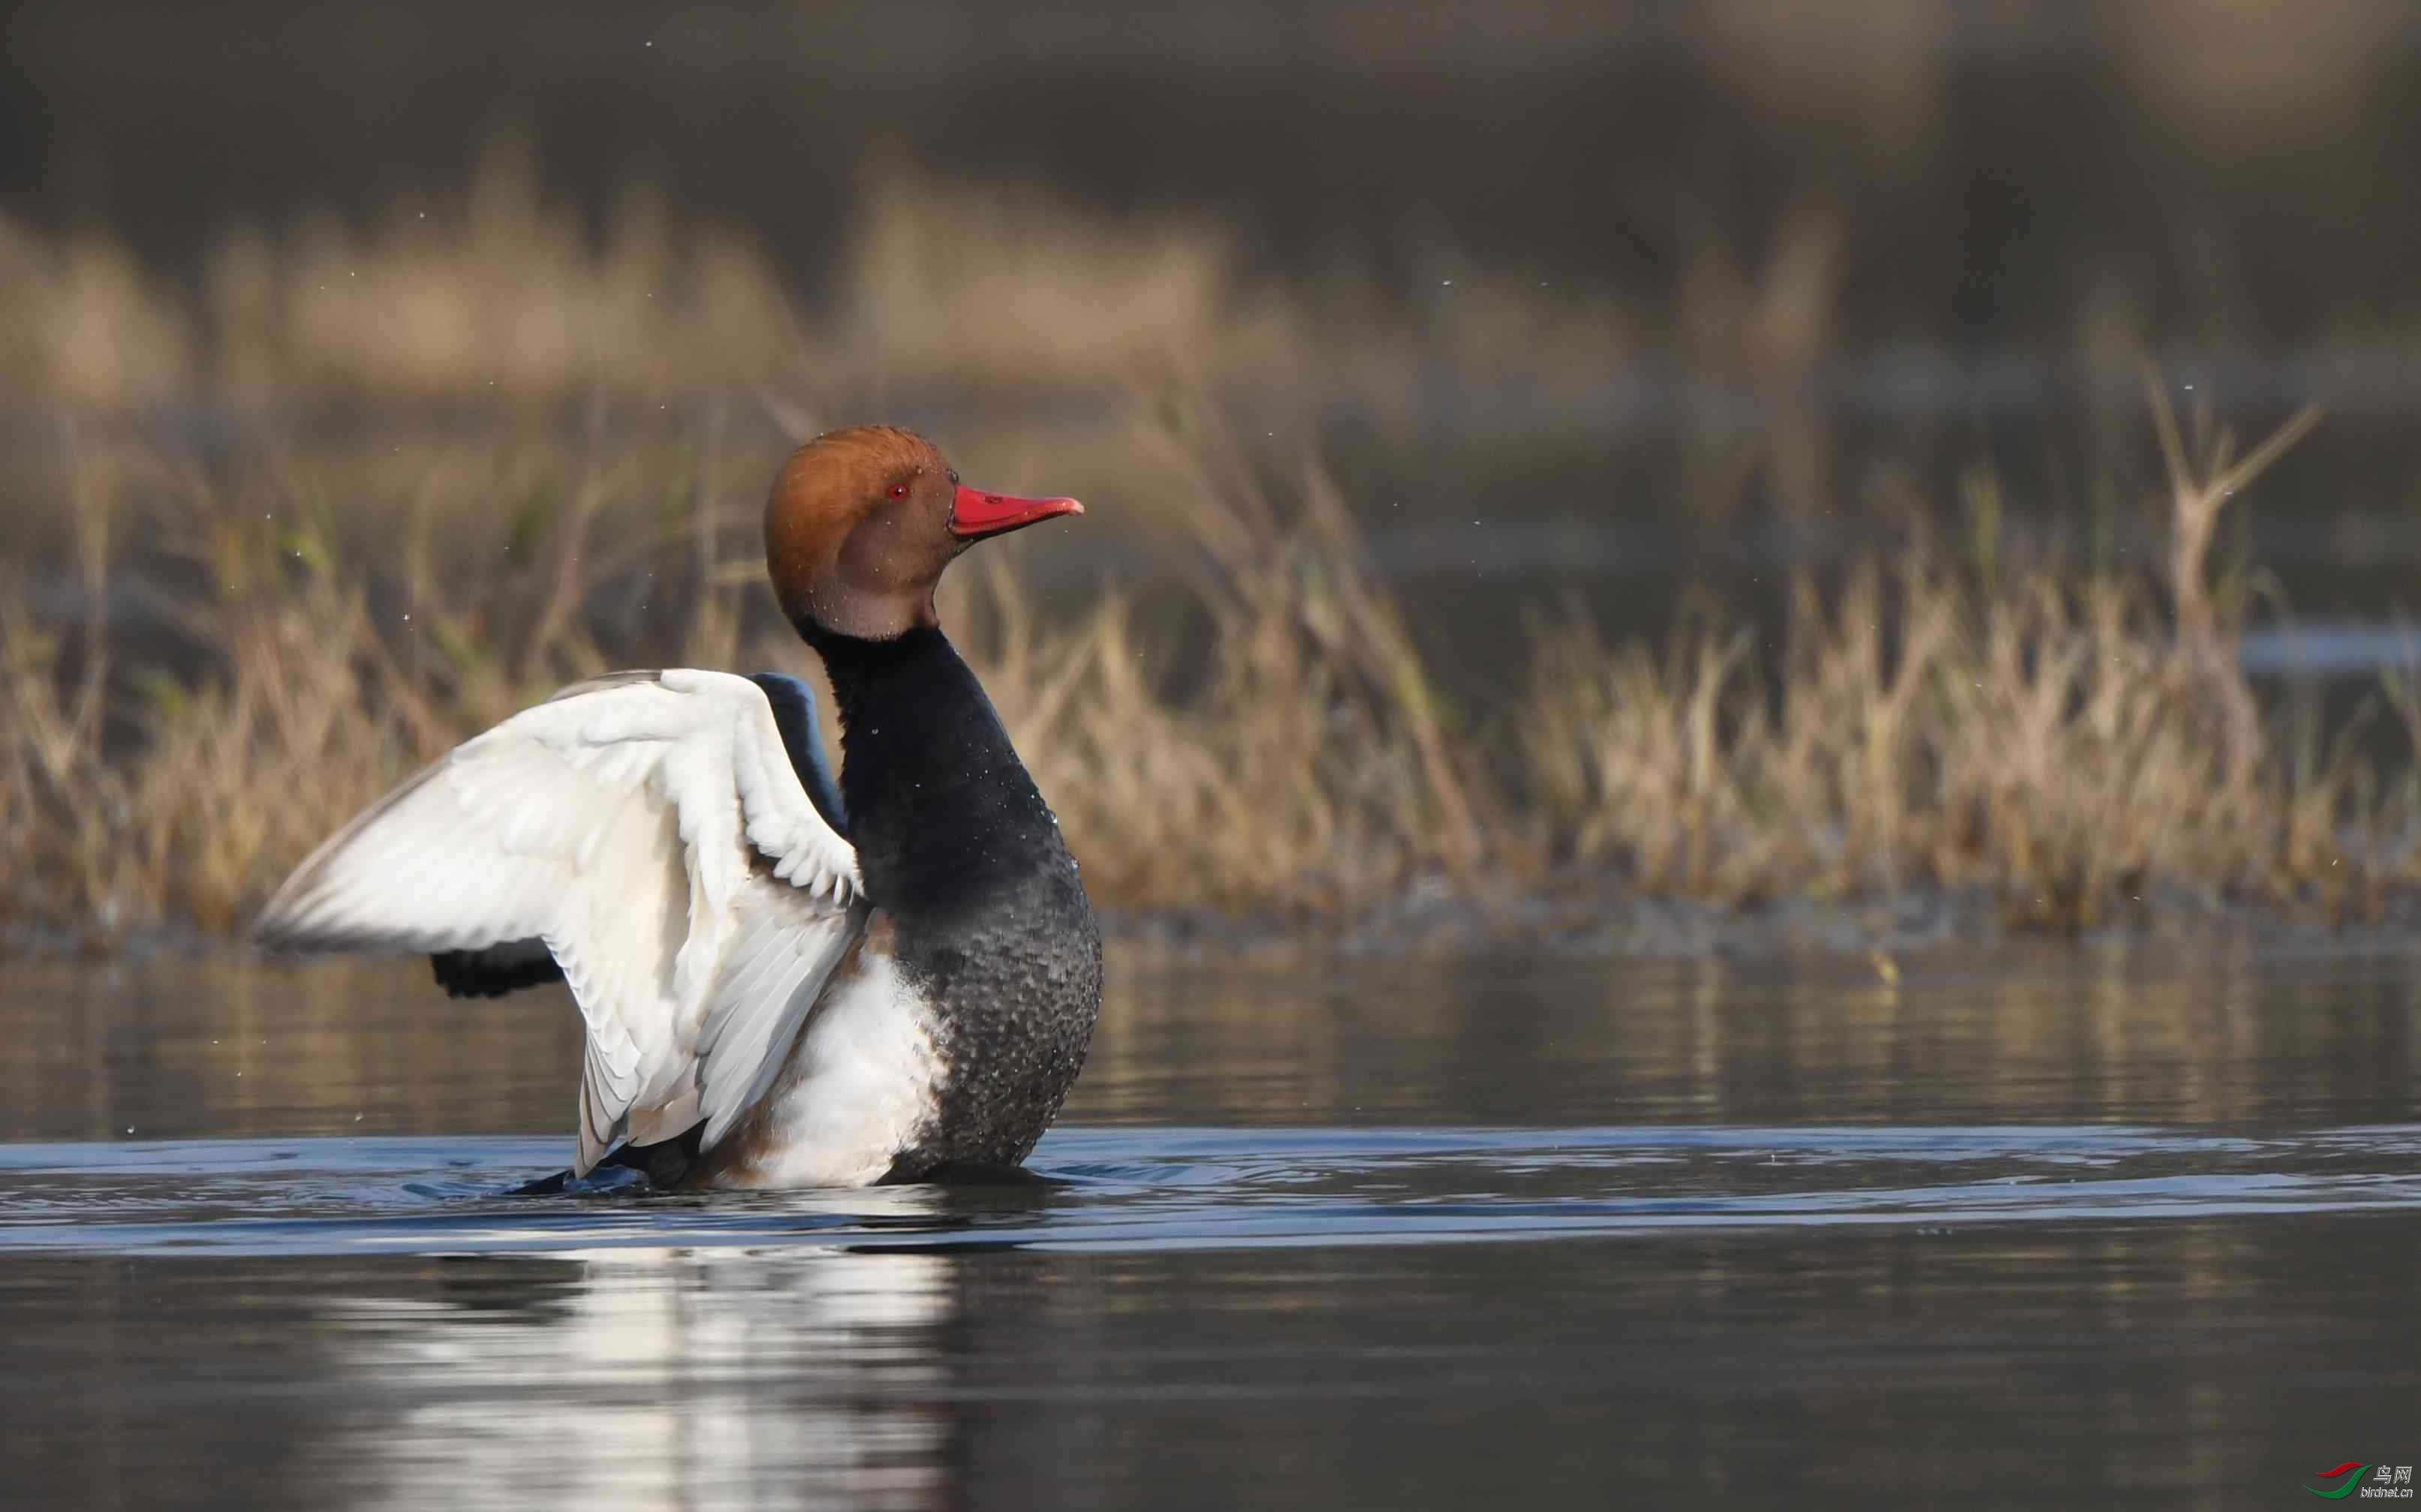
x=942, y=812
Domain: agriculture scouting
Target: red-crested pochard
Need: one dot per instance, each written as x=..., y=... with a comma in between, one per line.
x=786, y=982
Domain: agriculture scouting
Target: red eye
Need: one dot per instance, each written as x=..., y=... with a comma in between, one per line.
x=900, y=490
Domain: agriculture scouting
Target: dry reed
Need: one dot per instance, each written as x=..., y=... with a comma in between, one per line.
x=2063, y=743
x=212, y=653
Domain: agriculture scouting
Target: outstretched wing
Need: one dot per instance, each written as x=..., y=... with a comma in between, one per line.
x=649, y=829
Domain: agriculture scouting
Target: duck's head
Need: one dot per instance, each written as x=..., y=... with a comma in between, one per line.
x=862, y=521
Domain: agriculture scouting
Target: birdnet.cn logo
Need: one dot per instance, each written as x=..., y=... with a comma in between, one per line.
x=2392, y=1483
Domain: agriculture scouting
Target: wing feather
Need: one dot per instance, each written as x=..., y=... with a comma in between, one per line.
x=651, y=830
x=757, y=1010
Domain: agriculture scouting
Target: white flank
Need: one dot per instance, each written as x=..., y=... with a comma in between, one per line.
x=862, y=1081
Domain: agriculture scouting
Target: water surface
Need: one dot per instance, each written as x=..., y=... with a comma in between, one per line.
x=2051, y=1226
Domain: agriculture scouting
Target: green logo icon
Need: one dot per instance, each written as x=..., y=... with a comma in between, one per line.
x=2343, y=1488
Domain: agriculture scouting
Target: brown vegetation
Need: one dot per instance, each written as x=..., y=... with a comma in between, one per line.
x=312, y=616
x=2061, y=743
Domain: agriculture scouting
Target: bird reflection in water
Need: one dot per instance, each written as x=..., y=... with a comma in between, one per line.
x=666, y=1376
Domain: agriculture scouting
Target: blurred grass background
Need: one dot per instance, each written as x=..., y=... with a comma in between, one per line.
x=1738, y=451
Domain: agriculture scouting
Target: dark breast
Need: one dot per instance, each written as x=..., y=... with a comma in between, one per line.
x=1016, y=996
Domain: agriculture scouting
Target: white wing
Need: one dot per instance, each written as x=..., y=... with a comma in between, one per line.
x=648, y=827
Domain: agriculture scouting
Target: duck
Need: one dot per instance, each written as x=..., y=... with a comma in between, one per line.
x=788, y=978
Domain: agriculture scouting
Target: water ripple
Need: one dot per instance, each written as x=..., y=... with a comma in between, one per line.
x=1155, y=1189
